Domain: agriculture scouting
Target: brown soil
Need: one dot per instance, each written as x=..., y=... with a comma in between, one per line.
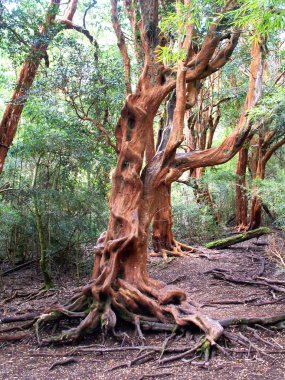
x=25, y=360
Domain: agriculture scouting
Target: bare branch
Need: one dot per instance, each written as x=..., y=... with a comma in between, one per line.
x=103, y=130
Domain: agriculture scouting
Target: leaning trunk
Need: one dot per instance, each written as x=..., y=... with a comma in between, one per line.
x=29, y=69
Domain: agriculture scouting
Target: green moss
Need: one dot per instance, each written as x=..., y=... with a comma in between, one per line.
x=223, y=243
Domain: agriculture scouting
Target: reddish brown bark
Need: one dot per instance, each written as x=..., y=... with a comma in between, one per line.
x=253, y=95
x=262, y=146
x=120, y=282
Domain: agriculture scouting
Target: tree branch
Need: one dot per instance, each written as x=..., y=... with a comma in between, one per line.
x=273, y=149
x=103, y=130
x=209, y=157
x=122, y=46
x=224, y=55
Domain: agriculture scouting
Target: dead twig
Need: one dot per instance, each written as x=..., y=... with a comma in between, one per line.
x=155, y=375
x=63, y=362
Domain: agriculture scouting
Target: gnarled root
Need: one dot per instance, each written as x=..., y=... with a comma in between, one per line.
x=177, y=250
x=147, y=304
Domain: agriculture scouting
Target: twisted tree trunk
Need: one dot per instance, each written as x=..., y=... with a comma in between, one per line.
x=120, y=284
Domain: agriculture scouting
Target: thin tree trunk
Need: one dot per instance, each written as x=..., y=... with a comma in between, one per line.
x=41, y=232
x=252, y=97
x=14, y=108
x=241, y=193
x=256, y=199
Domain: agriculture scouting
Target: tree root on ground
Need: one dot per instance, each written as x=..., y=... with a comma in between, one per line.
x=147, y=305
x=147, y=308
x=177, y=250
x=251, y=280
x=13, y=337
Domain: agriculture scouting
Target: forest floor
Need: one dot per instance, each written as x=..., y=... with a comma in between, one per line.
x=261, y=359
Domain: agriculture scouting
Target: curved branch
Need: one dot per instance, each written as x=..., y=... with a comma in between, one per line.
x=70, y=25
x=224, y=55
x=103, y=130
x=209, y=157
x=94, y=2
x=273, y=149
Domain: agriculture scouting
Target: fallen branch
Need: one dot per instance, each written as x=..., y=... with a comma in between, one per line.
x=18, y=267
x=19, y=318
x=227, y=242
x=12, y=337
x=155, y=375
x=63, y=362
x=253, y=321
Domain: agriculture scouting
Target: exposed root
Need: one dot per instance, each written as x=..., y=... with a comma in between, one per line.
x=148, y=305
x=177, y=250
x=19, y=318
x=163, y=307
x=252, y=280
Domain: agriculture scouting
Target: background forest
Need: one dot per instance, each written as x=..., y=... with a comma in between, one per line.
x=55, y=184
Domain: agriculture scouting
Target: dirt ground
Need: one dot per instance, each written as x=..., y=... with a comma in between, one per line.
x=262, y=358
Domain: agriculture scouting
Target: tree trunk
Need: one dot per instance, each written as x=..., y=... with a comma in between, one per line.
x=41, y=231
x=256, y=199
x=241, y=193
x=252, y=97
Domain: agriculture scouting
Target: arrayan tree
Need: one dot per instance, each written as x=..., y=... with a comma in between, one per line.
x=268, y=138
x=120, y=284
x=264, y=140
